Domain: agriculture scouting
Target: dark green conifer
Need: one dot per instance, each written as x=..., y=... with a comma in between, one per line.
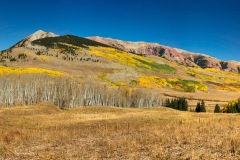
x=238, y=106
x=175, y=104
x=217, y=109
x=231, y=109
x=203, y=108
x=185, y=106
x=198, y=107
x=167, y=102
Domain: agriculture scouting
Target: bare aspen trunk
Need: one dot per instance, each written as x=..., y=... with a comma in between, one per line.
x=30, y=89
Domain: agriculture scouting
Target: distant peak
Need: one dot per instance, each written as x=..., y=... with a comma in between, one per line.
x=36, y=35
x=41, y=34
x=40, y=31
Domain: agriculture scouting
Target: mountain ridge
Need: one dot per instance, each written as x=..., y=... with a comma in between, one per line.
x=183, y=57
x=180, y=56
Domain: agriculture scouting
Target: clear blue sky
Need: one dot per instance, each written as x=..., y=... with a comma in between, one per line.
x=205, y=26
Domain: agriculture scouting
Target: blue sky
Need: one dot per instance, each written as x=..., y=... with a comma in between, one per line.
x=204, y=26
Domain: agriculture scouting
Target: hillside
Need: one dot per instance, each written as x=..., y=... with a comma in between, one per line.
x=173, y=54
x=51, y=42
x=127, y=66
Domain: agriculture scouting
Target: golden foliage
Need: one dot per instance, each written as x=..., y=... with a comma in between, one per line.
x=196, y=73
x=222, y=72
x=9, y=70
x=186, y=85
x=130, y=60
x=232, y=106
x=228, y=86
x=221, y=81
x=152, y=82
x=174, y=83
x=117, y=56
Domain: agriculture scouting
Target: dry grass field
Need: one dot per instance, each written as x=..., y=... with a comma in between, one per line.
x=46, y=132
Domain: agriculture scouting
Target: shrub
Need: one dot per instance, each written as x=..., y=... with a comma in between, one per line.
x=13, y=59
x=22, y=56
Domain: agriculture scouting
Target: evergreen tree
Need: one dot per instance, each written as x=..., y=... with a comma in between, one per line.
x=175, y=104
x=203, y=109
x=217, y=109
x=180, y=104
x=231, y=109
x=172, y=103
x=198, y=107
x=185, y=106
x=238, y=107
x=167, y=102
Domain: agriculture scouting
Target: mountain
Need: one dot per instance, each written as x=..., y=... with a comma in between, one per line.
x=125, y=65
x=172, y=54
x=41, y=40
x=26, y=42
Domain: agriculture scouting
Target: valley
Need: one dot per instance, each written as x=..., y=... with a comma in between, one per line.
x=44, y=131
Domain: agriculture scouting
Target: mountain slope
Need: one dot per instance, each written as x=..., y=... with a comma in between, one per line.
x=67, y=39
x=142, y=48
x=172, y=54
x=151, y=67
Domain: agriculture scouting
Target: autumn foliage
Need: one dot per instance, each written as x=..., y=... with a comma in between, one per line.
x=232, y=107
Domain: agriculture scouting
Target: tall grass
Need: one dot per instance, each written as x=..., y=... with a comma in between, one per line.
x=46, y=132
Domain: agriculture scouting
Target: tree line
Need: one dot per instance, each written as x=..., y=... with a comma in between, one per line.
x=182, y=105
x=66, y=92
x=177, y=103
